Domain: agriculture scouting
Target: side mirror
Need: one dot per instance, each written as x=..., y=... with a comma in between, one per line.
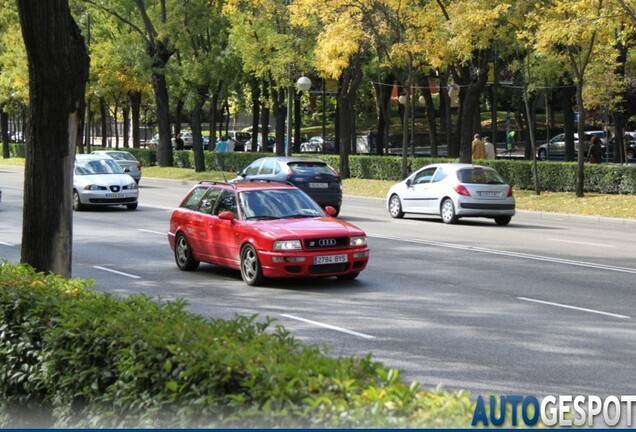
x=330, y=210
x=226, y=215
x=408, y=183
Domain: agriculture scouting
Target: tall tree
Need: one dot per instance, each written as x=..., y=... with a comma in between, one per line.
x=58, y=70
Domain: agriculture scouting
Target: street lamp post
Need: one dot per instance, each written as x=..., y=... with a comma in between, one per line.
x=403, y=100
x=303, y=84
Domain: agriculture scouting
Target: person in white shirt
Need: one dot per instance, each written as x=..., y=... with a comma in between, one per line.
x=490, y=149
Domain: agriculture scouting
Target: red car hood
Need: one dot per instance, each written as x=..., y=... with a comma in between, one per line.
x=323, y=226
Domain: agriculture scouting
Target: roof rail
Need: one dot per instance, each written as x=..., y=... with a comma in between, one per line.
x=214, y=182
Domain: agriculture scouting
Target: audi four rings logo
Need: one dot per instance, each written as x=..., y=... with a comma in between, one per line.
x=326, y=242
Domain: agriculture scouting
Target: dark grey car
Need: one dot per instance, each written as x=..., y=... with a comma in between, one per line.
x=315, y=177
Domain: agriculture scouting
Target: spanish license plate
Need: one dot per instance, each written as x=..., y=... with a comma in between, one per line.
x=115, y=196
x=330, y=259
x=489, y=194
x=319, y=185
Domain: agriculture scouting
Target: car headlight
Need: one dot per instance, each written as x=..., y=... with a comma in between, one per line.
x=285, y=245
x=358, y=241
x=93, y=187
x=132, y=186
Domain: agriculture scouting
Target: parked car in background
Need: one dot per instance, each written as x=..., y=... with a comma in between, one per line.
x=239, y=139
x=265, y=229
x=125, y=160
x=317, y=144
x=453, y=191
x=630, y=142
x=271, y=144
x=99, y=181
x=556, y=146
x=315, y=177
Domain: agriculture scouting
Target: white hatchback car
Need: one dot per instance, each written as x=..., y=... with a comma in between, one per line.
x=100, y=181
x=453, y=191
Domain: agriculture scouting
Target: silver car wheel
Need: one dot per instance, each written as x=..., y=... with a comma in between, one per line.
x=395, y=207
x=448, y=212
x=250, y=266
x=183, y=254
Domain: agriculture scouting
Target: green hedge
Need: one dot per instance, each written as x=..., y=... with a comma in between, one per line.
x=72, y=357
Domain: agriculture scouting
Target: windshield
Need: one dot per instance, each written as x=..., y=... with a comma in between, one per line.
x=97, y=166
x=278, y=204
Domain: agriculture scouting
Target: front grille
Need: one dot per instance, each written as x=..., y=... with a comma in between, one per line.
x=328, y=268
x=326, y=243
x=112, y=201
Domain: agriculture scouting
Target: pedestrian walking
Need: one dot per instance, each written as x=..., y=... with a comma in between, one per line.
x=479, y=152
x=178, y=142
x=489, y=149
x=594, y=152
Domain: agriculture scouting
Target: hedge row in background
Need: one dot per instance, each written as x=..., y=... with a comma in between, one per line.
x=72, y=357
x=553, y=176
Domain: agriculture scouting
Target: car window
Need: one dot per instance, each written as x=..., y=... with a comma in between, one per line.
x=97, y=166
x=310, y=168
x=268, y=167
x=226, y=202
x=209, y=199
x=122, y=156
x=479, y=176
x=193, y=200
x=424, y=176
x=440, y=175
x=252, y=169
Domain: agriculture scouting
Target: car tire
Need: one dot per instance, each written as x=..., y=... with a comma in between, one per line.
x=132, y=206
x=251, y=270
x=543, y=154
x=77, y=203
x=502, y=220
x=395, y=207
x=183, y=254
x=447, y=212
x=630, y=154
x=348, y=276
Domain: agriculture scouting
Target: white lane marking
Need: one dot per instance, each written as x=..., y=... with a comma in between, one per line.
x=319, y=324
x=512, y=254
x=582, y=243
x=574, y=307
x=6, y=244
x=152, y=232
x=117, y=272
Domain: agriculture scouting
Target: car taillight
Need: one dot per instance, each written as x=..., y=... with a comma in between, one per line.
x=460, y=189
x=509, y=191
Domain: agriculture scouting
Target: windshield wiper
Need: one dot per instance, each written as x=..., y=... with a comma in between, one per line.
x=262, y=217
x=298, y=215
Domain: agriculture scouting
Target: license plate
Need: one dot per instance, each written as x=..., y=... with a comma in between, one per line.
x=319, y=185
x=330, y=259
x=489, y=194
x=115, y=196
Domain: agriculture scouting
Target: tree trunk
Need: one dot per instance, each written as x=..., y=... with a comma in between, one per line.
x=160, y=57
x=135, y=108
x=347, y=92
x=280, y=112
x=4, y=127
x=58, y=71
x=195, y=124
x=430, y=118
x=580, y=171
x=568, y=122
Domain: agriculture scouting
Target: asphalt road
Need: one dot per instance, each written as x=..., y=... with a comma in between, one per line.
x=543, y=306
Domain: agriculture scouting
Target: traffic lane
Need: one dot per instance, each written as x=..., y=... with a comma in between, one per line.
x=602, y=241
x=469, y=329
x=459, y=321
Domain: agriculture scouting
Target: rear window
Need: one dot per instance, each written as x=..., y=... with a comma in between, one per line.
x=479, y=176
x=310, y=168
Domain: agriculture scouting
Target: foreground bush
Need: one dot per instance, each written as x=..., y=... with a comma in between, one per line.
x=71, y=357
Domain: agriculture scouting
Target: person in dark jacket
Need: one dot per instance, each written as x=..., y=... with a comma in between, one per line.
x=594, y=152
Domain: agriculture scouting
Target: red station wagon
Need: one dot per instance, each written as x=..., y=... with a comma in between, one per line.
x=265, y=229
